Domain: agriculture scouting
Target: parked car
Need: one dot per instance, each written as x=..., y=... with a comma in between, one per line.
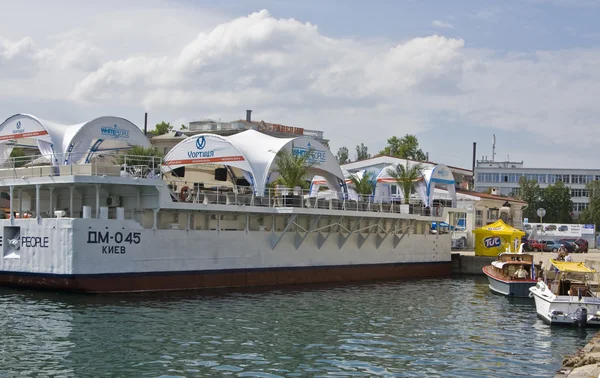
x=551, y=227
x=563, y=228
x=536, y=245
x=569, y=245
x=551, y=245
x=581, y=243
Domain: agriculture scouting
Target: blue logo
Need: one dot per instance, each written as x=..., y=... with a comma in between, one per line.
x=201, y=142
x=442, y=172
x=317, y=156
x=114, y=132
x=492, y=241
x=18, y=125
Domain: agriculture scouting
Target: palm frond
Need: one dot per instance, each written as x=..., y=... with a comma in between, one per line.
x=293, y=168
x=363, y=185
x=405, y=176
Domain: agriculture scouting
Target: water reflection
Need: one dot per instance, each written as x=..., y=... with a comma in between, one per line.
x=450, y=327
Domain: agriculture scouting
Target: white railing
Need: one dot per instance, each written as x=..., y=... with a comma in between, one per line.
x=98, y=165
x=296, y=198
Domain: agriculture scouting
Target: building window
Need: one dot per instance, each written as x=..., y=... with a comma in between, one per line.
x=564, y=178
x=578, y=206
x=488, y=177
x=478, y=218
x=579, y=193
x=589, y=178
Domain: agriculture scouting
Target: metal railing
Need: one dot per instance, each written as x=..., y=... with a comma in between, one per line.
x=298, y=198
x=99, y=165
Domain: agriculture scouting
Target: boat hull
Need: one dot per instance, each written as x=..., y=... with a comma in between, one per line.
x=163, y=281
x=91, y=255
x=564, y=309
x=509, y=288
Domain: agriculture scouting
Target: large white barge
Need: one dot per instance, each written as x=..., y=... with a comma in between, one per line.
x=117, y=225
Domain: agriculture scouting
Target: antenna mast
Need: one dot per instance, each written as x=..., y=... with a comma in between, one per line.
x=494, y=149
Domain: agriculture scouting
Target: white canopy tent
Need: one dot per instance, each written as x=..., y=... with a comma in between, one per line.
x=320, y=181
x=101, y=134
x=207, y=149
x=48, y=135
x=70, y=143
x=436, y=176
x=261, y=150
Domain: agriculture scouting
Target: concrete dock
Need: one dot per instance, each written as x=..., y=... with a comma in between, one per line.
x=583, y=363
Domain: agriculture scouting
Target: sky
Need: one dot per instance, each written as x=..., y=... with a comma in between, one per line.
x=450, y=72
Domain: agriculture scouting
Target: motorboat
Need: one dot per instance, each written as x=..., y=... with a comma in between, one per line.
x=568, y=298
x=503, y=277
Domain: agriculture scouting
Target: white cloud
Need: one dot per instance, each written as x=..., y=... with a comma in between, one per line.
x=289, y=72
x=442, y=24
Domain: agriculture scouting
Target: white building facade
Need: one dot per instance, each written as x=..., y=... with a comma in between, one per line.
x=503, y=177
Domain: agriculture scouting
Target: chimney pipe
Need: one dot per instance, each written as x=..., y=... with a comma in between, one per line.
x=248, y=115
x=145, y=123
x=474, y=155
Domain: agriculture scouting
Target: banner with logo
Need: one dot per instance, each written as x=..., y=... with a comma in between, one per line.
x=20, y=127
x=559, y=230
x=205, y=149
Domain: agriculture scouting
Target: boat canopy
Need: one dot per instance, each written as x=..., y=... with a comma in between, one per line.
x=572, y=267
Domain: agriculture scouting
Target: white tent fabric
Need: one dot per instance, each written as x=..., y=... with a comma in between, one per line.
x=20, y=126
x=335, y=192
x=261, y=150
x=207, y=149
x=68, y=144
x=440, y=175
x=100, y=134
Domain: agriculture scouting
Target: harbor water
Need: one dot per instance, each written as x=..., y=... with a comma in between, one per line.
x=435, y=328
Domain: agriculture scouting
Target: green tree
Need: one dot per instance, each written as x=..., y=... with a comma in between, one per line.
x=293, y=168
x=183, y=127
x=592, y=213
x=406, y=176
x=530, y=192
x=556, y=199
x=140, y=155
x=406, y=147
x=19, y=157
x=362, y=152
x=364, y=185
x=342, y=155
x=162, y=128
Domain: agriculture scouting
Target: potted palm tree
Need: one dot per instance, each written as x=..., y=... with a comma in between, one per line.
x=364, y=185
x=293, y=169
x=405, y=176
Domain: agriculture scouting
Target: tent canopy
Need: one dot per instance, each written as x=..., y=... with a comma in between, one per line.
x=261, y=151
x=496, y=238
x=101, y=134
x=207, y=149
x=440, y=175
x=75, y=142
x=319, y=181
x=572, y=266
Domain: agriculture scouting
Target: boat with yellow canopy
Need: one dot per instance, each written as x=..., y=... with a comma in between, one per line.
x=566, y=296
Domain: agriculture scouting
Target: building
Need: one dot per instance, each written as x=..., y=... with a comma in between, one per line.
x=503, y=178
x=165, y=142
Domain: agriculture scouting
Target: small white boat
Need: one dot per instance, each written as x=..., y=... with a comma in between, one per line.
x=502, y=274
x=568, y=298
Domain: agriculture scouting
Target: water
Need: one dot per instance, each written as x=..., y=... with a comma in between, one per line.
x=435, y=328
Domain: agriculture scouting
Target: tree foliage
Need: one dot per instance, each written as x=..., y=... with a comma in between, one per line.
x=183, y=127
x=406, y=176
x=362, y=152
x=556, y=199
x=364, y=185
x=592, y=213
x=530, y=192
x=342, y=156
x=162, y=128
x=406, y=147
x=140, y=155
x=293, y=168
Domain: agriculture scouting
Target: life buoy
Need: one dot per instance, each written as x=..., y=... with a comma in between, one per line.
x=183, y=193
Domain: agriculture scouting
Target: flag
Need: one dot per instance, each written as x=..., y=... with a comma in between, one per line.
x=532, y=270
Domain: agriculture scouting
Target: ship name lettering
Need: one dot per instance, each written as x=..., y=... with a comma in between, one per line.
x=113, y=249
x=106, y=237
x=35, y=241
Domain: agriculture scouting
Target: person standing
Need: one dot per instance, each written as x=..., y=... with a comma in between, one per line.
x=568, y=256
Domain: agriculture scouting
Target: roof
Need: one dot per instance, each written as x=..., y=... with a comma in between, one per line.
x=572, y=266
x=171, y=135
x=491, y=196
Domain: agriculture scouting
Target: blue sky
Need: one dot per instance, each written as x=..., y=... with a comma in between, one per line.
x=451, y=72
